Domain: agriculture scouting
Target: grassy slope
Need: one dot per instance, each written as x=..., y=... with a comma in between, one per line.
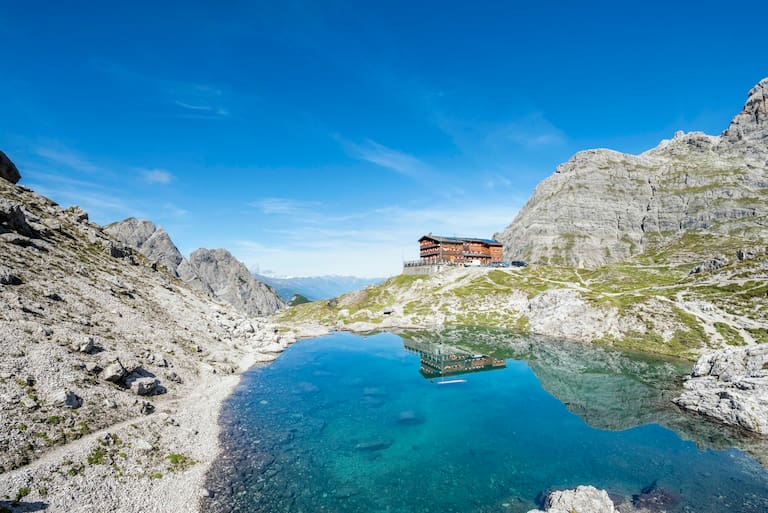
x=667, y=310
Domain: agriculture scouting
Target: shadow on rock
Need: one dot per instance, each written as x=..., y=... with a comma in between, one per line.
x=20, y=507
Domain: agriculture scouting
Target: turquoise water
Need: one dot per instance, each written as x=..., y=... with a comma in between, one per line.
x=349, y=424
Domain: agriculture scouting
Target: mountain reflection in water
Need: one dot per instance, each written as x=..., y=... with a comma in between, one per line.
x=345, y=424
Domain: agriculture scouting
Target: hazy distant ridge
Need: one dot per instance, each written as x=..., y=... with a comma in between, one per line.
x=317, y=287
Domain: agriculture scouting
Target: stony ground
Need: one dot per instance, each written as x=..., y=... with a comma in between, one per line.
x=112, y=371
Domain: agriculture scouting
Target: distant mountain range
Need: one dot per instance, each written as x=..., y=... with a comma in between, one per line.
x=317, y=287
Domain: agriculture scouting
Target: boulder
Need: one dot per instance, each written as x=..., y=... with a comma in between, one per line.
x=8, y=277
x=142, y=385
x=77, y=214
x=712, y=264
x=14, y=218
x=66, y=398
x=113, y=372
x=731, y=386
x=84, y=346
x=583, y=499
x=8, y=169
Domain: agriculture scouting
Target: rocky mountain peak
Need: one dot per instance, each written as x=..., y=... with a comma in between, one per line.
x=230, y=281
x=752, y=121
x=603, y=206
x=151, y=241
x=214, y=272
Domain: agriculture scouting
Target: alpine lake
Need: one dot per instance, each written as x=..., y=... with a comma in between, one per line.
x=472, y=421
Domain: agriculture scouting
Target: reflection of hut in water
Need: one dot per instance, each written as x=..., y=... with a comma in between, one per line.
x=443, y=360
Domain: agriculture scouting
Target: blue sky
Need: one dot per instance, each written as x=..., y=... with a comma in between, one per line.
x=315, y=137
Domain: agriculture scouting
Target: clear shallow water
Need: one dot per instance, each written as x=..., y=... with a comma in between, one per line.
x=346, y=424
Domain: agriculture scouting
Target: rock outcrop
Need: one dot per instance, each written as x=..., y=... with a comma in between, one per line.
x=8, y=169
x=215, y=272
x=154, y=243
x=230, y=281
x=731, y=386
x=604, y=206
x=583, y=499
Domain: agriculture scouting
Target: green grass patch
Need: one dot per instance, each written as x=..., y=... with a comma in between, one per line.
x=97, y=456
x=731, y=336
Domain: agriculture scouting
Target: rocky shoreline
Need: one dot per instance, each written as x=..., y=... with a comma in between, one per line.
x=113, y=370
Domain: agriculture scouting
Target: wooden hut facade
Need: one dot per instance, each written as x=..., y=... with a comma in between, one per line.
x=436, y=249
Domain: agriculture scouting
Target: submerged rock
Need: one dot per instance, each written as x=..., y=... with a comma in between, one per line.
x=409, y=418
x=656, y=499
x=374, y=445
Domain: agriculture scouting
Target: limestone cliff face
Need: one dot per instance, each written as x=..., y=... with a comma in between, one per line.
x=216, y=272
x=603, y=206
x=231, y=281
x=154, y=243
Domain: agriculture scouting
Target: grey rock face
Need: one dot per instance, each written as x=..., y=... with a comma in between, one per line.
x=216, y=272
x=14, y=218
x=730, y=385
x=231, y=281
x=8, y=170
x=603, y=206
x=152, y=242
x=583, y=499
x=712, y=264
x=752, y=122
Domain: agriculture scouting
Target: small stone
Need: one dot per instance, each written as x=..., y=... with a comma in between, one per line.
x=205, y=492
x=109, y=403
x=85, y=346
x=172, y=376
x=142, y=445
x=92, y=367
x=54, y=296
x=29, y=403
x=7, y=277
x=146, y=408
x=66, y=398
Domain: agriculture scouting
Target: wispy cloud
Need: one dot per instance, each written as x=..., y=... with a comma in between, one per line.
x=532, y=131
x=284, y=206
x=497, y=181
x=190, y=99
x=157, y=176
x=394, y=160
x=102, y=206
x=67, y=158
x=175, y=211
x=210, y=109
x=374, y=241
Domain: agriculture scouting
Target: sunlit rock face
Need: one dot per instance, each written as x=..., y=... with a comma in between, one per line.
x=604, y=206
